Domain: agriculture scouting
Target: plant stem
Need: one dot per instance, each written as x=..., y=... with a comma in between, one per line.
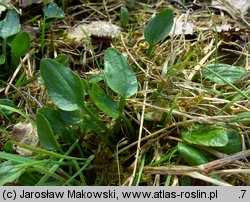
x=158, y=91
x=5, y=53
x=56, y=166
x=130, y=127
x=118, y=120
x=150, y=50
x=98, y=122
x=139, y=175
x=43, y=35
x=99, y=133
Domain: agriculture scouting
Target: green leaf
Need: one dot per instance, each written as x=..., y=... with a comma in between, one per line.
x=7, y=102
x=15, y=60
x=85, y=87
x=8, y=147
x=229, y=73
x=39, y=150
x=204, y=135
x=95, y=78
x=64, y=86
x=186, y=181
x=10, y=25
x=53, y=116
x=21, y=44
x=124, y=15
x=63, y=59
x=159, y=27
x=53, y=11
x=45, y=133
x=191, y=155
x=72, y=117
x=8, y=173
x=104, y=102
x=15, y=158
x=2, y=59
x=234, y=142
x=118, y=73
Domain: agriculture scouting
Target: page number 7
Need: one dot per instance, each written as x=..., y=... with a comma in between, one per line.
x=243, y=191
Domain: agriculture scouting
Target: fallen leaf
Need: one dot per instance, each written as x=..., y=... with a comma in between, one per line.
x=100, y=29
x=225, y=27
x=233, y=7
x=182, y=27
x=27, y=3
x=236, y=35
x=25, y=133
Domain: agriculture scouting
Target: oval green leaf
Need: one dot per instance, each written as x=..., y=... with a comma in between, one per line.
x=159, y=27
x=124, y=15
x=234, y=142
x=206, y=135
x=118, y=73
x=54, y=118
x=104, y=102
x=7, y=102
x=10, y=25
x=191, y=155
x=53, y=11
x=64, y=86
x=229, y=73
x=21, y=44
x=45, y=133
x=72, y=117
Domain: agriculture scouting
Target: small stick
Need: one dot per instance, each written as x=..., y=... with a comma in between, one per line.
x=203, y=169
x=27, y=56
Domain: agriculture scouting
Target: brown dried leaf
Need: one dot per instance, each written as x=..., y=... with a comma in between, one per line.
x=25, y=133
x=181, y=27
x=236, y=35
x=100, y=29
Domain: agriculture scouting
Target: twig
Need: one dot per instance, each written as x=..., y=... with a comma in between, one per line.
x=203, y=169
x=140, y=134
x=27, y=56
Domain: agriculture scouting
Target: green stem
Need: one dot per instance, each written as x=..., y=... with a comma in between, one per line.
x=125, y=119
x=247, y=91
x=56, y=166
x=130, y=127
x=99, y=133
x=79, y=172
x=63, y=5
x=118, y=120
x=47, y=173
x=43, y=35
x=150, y=50
x=98, y=122
x=5, y=53
x=155, y=95
x=139, y=175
